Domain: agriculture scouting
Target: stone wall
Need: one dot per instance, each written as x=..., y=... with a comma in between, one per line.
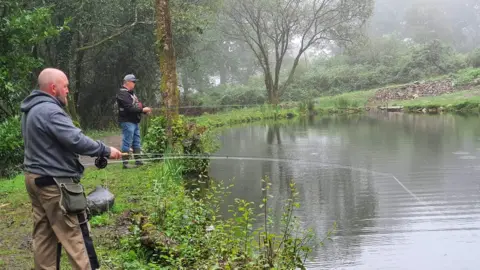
x=415, y=90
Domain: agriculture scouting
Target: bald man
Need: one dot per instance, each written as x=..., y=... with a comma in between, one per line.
x=52, y=147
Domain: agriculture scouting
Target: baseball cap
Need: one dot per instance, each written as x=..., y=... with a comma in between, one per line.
x=130, y=77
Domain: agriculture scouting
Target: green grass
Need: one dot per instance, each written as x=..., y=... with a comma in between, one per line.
x=247, y=115
x=351, y=99
x=156, y=197
x=461, y=101
x=444, y=100
x=132, y=188
x=466, y=76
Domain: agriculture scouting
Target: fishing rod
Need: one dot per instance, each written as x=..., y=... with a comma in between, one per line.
x=102, y=162
x=208, y=106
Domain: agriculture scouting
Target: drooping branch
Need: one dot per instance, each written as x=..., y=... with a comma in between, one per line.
x=118, y=33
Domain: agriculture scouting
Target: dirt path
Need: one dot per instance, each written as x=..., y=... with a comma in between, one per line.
x=114, y=140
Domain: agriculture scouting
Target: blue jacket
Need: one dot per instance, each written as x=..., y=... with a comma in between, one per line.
x=52, y=143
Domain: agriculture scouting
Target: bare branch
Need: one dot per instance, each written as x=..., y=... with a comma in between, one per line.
x=118, y=33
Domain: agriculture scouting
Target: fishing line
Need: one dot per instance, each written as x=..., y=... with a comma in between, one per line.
x=209, y=106
x=102, y=162
x=301, y=161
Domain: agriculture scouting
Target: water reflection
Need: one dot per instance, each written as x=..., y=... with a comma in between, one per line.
x=379, y=223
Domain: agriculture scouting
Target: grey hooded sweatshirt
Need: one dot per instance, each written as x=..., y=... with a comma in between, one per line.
x=52, y=143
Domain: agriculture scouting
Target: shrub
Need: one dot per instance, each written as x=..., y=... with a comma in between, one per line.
x=344, y=103
x=11, y=147
x=187, y=231
x=474, y=58
x=188, y=138
x=466, y=76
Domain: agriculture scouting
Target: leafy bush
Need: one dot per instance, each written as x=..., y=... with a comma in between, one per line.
x=11, y=147
x=474, y=58
x=188, y=138
x=467, y=76
x=344, y=103
x=20, y=31
x=187, y=231
x=379, y=63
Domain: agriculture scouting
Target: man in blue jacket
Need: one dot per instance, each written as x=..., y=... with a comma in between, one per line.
x=130, y=111
x=52, y=148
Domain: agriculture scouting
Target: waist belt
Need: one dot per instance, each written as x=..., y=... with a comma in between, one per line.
x=45, y=181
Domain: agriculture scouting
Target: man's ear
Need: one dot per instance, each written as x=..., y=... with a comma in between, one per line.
x=54, y=90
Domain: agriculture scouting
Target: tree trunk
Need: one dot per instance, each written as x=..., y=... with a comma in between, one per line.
x=272, y=90
x=169, y=86
x=185, y=84
x=223, y=73
x=72, y=107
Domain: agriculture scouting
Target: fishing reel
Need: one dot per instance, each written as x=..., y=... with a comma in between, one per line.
x=101, y=162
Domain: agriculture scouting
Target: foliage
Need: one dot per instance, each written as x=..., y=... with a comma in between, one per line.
x=233, y=95
x=380, y=62
x=21, y=30
x=186, y=230
x=459, y=102
x=474, y=58
x=108, y=39
x=11, y=147
x=342, y=103
x=306, y=107
x=467, y=76
x=270, y=27
x=194, y=136
x=187, y=139
x=245, y=115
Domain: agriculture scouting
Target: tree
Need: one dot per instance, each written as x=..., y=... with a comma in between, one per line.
x=269, y=27
x=426, y=22
x=21, y=30
x=169, y=86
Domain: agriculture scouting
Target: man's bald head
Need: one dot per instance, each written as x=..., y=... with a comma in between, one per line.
x=49, y=76
x=54, y=82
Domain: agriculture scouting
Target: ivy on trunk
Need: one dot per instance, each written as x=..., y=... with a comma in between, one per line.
x=169, y=86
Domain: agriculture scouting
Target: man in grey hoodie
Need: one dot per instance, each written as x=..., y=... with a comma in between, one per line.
x=52, y=148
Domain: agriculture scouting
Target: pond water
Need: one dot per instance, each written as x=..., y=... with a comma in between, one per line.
x=403, y=189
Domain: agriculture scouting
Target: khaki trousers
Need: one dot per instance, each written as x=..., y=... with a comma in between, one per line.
x=52, y=230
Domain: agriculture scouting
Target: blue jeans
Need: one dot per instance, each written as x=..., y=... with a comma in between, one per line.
x=131, y=136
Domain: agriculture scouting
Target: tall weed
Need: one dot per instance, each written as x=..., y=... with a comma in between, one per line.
x=187, y=231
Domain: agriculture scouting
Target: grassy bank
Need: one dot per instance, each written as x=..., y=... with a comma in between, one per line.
x=464, y=99
x=160, y=221
x=247, y=115
x=459, y=102
x=355, y=99
x=130, y=188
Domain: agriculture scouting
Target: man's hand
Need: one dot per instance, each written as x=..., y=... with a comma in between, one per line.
x=147, y=110
x=114, y=153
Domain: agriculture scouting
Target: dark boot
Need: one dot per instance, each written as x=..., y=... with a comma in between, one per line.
x=125, y=161
x=138, y=156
